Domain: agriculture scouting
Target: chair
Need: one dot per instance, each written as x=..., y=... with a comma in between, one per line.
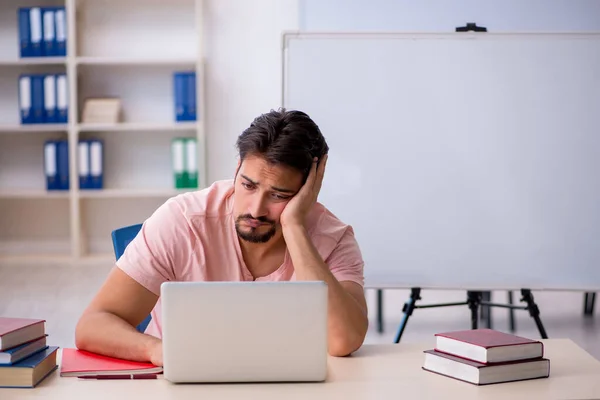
x=121, y=238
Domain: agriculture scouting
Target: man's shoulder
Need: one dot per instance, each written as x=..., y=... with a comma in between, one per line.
x=212, y=201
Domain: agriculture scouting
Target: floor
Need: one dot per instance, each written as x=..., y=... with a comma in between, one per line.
x=59, y=295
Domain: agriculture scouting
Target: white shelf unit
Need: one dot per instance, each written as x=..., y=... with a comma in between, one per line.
x=116, y=48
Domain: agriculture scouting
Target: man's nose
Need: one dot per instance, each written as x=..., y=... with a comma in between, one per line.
x=258, y=207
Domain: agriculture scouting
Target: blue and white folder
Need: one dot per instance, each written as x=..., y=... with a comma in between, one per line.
x=36, y=32
x=51, y=165
x=25, y=101
x=83, y=164
x=62, y=99
x=50, y=108
x=60, y=23
x=96, y=164
x=49, y=38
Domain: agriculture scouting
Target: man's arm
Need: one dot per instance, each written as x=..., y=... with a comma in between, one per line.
x=347, y=313
x=107, y=326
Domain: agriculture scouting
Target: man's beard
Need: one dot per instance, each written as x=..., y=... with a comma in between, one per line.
x=253, y=236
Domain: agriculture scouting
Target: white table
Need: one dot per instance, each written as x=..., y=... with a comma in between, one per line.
x=374, y=372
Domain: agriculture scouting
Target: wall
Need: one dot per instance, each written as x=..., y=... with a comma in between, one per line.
x=243, y=73
x=436, y=15
x=243, y=45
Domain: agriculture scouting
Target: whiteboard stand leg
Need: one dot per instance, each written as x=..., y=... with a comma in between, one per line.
x=511, y=313
x=409, y=306
x=534, y=311
x=588, y=303
x=474, y=301
x=486, y=311
x=380, y=310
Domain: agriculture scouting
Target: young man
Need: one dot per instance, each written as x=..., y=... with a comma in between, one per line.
x=264, y=225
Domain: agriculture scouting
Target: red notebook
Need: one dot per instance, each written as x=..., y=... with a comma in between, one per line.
x=485, y=374
x=16, y=331
x=488, y=346
x=76, y=362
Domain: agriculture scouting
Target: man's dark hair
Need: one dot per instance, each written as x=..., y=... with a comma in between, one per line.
x=283, y=137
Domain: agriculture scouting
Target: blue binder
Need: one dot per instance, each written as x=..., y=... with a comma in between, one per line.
x=37, y=98
x=179, y=86
x=60, y=24
x=36, y=31
x=96, y=164
x=24, y=32
x=62, y=99
x=51, y=165
x=49, y=36
x=25, y=99
x=62, y=156
x=50, y=108
x=190, y=104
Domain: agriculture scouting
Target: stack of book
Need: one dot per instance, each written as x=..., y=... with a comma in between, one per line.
x=25, y=358
x=486, y=356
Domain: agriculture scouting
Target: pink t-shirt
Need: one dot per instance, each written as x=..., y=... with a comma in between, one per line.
x=192, y=237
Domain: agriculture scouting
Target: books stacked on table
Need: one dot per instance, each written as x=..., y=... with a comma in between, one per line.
x=25, y=358
x=486, y=356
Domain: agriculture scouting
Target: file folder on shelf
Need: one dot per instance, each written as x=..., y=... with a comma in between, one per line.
x=62, y=99
x=35, y=32
x=49, y=38
x=190, y=104
x=25, y=49
x=50, y=109
x=51, y=165
x=178, y=159
x=191, y=163
x=25, y=101
x=96, y=164
x=62, y=157
x=83, y=164
x=37, y=98
x=185, y=163
x=184, y=84
x=179, y=89
x=60, y=23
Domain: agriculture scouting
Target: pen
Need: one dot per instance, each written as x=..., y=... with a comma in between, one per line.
x=127, y=376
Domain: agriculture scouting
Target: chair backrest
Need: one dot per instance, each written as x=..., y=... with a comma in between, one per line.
x=121, y=238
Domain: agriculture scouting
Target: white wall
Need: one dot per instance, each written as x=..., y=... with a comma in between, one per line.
x=243, y=45
x=445, y=15
x=243, y=75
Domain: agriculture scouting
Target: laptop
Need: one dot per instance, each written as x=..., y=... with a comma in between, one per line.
x=244, y=331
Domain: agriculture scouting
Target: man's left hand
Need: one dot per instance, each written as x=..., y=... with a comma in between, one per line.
x=297, y=209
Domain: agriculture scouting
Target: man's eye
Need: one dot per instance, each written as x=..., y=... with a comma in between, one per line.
x=246, y=185
x=280, y=197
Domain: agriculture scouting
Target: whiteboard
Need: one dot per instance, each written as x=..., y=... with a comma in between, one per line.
x=461, y=160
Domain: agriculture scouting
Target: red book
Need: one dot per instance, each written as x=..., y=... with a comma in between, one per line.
x=16, y=331
x=485, y=374
x=488, y=346
x=76, y=362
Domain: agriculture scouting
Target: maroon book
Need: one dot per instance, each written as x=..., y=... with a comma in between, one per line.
x=485, y=374
x=16, y=331
x=488, y=346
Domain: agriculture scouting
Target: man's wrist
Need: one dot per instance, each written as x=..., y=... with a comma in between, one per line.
x=291, y=227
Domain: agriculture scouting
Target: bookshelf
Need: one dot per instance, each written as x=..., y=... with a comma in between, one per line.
x=115, y=48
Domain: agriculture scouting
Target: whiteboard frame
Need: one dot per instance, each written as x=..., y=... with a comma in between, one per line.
x=288, y=36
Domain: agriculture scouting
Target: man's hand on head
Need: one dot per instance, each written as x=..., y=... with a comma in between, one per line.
x=297, y=209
